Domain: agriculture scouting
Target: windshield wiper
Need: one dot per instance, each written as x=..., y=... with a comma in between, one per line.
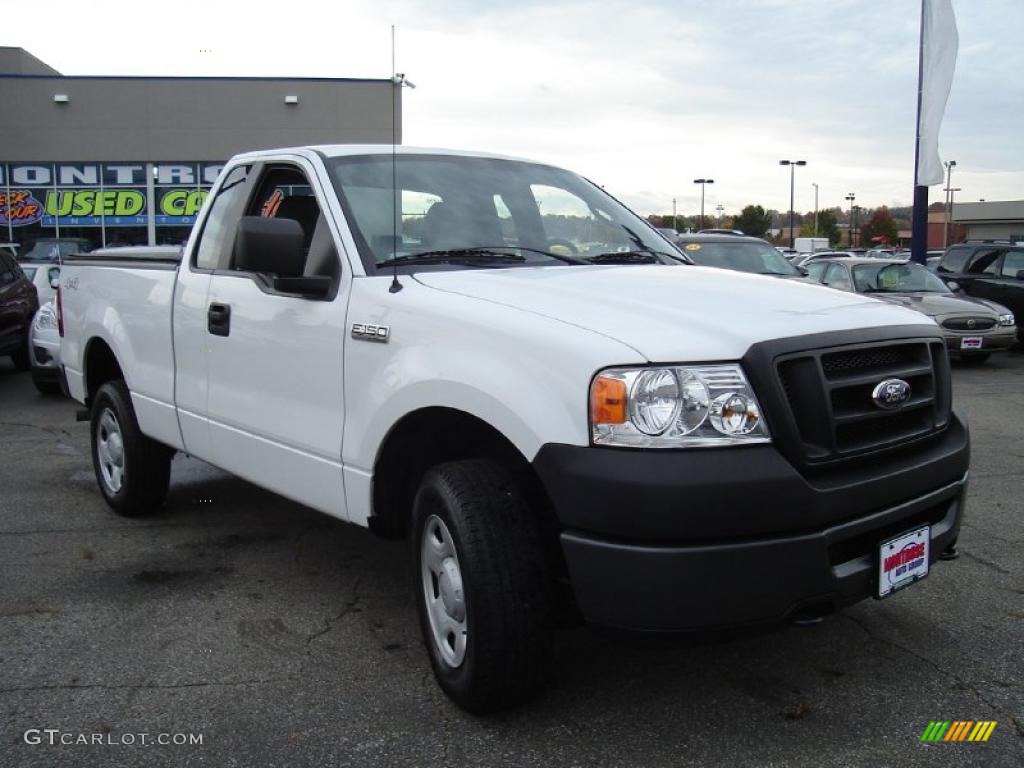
x=478, y=254
x=635, y=256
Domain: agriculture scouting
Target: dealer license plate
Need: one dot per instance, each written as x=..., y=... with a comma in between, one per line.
x=903, y=560
x=971, y=342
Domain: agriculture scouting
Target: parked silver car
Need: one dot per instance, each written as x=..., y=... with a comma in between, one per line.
x=974, y=328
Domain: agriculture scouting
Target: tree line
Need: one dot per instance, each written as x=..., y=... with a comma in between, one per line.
x=754, y=220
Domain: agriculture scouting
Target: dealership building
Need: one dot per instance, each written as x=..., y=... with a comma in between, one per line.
x=103, y=161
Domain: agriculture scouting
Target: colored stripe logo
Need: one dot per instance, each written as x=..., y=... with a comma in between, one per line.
x=958, y=730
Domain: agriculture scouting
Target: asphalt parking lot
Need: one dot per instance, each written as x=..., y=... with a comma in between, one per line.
x=286, y=638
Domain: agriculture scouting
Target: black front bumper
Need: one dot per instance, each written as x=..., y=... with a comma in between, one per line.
x=700, y=539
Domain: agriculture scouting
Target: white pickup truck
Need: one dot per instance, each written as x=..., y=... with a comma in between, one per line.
x=497, y=360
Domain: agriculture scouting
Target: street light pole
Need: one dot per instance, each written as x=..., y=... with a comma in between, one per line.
x=792, y=191
x=815, y=185
x=949, y=202
x=851, y=197
x=856, y=216
x=703, y=183
x=719, y=208
x=675, y=226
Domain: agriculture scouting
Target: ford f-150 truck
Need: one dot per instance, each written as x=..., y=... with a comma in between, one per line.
x=498, y=361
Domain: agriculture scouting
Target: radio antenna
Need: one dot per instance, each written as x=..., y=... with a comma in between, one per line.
x=396, y=84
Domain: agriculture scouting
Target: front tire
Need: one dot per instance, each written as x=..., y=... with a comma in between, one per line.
x=482, y=585
x=132, y=470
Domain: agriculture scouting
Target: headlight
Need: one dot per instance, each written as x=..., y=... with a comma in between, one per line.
x=46, y=320
x=1006, y=319
x=675, y=407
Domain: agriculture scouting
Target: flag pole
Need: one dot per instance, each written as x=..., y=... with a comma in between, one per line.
x=919, y=219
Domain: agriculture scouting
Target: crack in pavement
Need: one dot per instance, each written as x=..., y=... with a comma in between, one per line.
x=331, y=621
x=994, y=566
x=964, y=684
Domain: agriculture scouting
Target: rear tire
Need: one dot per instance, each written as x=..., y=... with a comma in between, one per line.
x=132, y=470
x=21, y=360
x=482, y=585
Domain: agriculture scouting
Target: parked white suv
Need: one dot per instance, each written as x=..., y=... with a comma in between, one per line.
x=497, y=359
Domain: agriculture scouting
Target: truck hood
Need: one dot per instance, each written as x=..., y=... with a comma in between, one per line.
x=670, y=314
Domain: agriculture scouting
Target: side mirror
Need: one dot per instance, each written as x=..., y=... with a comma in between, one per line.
x=953, y=285
x=1020, y=274
x=272, y=247
x=55, y=282
x=804, y=271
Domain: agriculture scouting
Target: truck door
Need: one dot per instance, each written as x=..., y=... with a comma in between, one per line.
x=191, y=350
x=275, y=399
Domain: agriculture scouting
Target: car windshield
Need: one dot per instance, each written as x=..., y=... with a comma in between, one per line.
x=759, y=258
x=896, y=278
x=54, y=250
x=464, y=212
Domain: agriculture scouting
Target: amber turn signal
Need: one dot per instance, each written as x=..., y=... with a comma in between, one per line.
x=608, y=401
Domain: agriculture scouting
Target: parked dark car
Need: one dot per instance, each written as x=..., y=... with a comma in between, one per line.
x=18, y=305
x=974, y=328
x=736, y=252
x=988, y=269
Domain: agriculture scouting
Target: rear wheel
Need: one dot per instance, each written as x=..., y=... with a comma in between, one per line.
x=482, y=585
x=132, y=470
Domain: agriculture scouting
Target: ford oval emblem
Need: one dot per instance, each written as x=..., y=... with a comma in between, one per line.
x=891, y=393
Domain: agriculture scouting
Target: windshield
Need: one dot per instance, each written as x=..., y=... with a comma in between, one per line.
x=896, y=278
x=759, y=258
x=454, y=208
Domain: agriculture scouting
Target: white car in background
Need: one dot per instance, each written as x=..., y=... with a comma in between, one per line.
x=44, y=350
x=45, y=277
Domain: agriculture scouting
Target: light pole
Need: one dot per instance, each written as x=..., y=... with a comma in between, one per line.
x=719, y=208
x=815, y=185
x=851, y=197
x=703, y=183
x=949, y=202
x=856, y=211
x=792, y=178
x=675, y=226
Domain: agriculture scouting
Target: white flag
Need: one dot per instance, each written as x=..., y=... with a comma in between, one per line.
x=939, y=41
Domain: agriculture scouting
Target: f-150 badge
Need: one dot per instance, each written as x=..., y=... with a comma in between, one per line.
x=368, y=332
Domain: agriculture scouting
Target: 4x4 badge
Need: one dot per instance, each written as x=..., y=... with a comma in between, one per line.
x=891, y=393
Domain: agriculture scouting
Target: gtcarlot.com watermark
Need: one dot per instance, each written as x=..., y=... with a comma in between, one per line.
x=55, y=736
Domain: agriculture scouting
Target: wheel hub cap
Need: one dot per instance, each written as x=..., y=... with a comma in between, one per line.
x=110, y=451
x=443, y=591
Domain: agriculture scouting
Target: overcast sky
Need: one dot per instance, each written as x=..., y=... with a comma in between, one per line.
x=641, y=96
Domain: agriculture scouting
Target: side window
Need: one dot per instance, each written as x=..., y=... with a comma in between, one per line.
x=838, y=277
x=218, y=234
x=954, y=260
x=1013, y=264
x=815, y=270
x=284, y=192
x=985, y=262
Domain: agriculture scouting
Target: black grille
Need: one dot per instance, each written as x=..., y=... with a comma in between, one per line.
x=969, y=323
x=829, y=393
